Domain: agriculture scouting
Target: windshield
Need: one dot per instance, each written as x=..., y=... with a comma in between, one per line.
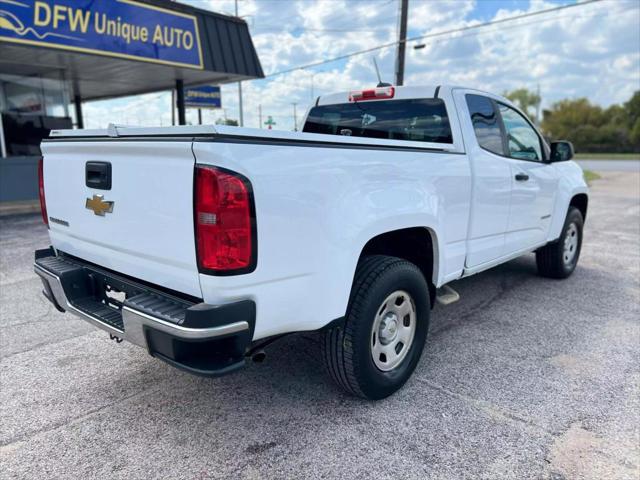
x=419, y=120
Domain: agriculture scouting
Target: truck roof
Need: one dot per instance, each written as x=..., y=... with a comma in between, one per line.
x=115, y=131
x=418, y=91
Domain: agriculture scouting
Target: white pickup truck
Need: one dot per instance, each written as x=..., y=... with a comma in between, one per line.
x=203, y=244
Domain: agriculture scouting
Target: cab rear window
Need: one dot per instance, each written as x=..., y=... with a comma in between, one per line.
x=418, y=120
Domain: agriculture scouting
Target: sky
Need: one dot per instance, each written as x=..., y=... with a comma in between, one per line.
x=591, y=51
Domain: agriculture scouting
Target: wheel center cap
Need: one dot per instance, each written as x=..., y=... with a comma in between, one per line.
x=388, y=328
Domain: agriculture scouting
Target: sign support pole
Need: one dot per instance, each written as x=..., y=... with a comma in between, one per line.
x=77, y=103
x=173, y=107
x=182, y=117
x=3, y=147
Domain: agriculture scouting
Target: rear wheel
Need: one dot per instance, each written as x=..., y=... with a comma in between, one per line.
x=559, y=259
x=376, y=350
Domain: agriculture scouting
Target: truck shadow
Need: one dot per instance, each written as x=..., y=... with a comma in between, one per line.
x=294, y=368
x=492, y=344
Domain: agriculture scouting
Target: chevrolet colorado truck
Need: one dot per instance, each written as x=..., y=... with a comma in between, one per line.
x=202, y=244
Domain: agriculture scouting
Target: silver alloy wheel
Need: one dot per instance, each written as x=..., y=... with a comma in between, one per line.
x=393, y=330
x=571, y=238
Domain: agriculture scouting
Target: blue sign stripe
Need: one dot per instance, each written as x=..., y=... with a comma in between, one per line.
x=119, y=28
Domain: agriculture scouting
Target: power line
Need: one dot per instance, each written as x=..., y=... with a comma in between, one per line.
x=125, y=109
x=432, y=35
x=520, y=25
x=486, y=32
x=316, y=30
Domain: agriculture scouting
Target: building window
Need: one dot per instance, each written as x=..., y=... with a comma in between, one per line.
x=31, y=106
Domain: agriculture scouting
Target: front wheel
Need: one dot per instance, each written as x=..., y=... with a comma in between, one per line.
x=377, y=349
x=559, y=259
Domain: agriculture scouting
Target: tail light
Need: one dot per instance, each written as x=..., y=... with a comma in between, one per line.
x=43, y=201
x=372, y=94
x=224, y=216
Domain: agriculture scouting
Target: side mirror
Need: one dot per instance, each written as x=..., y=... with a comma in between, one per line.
x=561, y=151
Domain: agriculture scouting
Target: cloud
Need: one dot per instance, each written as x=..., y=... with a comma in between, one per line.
x=590, y=51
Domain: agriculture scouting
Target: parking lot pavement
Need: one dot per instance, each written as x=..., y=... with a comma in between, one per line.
x=523, y=378
x=611, y=165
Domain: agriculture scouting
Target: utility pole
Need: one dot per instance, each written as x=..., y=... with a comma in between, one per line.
x=240, y=116
x=295, y=117
x=260, y=115
x=538, y=106
x=402, y=42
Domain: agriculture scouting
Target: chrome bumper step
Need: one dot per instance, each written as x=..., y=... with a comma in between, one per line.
x=167, y=326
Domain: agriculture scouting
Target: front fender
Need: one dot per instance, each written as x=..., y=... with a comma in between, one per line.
x=571, y=183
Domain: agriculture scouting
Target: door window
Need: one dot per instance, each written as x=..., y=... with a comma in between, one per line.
x=522, y=140
x=485, y=123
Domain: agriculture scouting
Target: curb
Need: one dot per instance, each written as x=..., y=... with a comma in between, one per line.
x=19, y=208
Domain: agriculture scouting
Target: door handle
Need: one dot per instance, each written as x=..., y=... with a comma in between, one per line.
x=98, y=175
x=522, y=177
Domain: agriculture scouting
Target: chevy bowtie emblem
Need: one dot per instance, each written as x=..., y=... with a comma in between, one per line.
x=98, y=205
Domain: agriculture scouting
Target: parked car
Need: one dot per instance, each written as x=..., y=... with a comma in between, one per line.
x=203, y=244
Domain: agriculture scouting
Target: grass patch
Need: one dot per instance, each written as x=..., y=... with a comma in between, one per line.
x=607, y=156
x=590, y=176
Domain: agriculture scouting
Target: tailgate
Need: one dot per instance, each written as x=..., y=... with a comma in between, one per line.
x=149, y=233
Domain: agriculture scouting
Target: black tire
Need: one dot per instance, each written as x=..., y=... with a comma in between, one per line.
x=347, y=349
x=551, y=259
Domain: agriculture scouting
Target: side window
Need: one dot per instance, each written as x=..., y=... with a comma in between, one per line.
x=485, y=123
x=523, y=140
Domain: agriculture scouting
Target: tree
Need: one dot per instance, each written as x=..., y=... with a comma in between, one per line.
x=227, y=121
x=634, y=136
x=594, y=129
x=525, y=99
x=632, y=107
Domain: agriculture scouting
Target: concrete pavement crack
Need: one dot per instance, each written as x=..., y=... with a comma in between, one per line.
x=490, y=409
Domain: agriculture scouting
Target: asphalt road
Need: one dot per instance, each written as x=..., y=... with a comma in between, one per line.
x=611, y=165
x=523, y=378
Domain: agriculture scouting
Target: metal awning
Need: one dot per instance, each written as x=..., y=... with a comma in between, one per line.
x=226, y=52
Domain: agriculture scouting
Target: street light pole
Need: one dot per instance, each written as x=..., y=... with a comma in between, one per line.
x=240, y=104
x=312, y=76
x=402, y=42
x=295, y=117
x=241, y=115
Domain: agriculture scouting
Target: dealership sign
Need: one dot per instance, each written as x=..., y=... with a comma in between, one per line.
x=206, y=96
x=116, y=28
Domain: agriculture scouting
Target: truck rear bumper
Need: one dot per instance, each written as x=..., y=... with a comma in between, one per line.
x=209, y=340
